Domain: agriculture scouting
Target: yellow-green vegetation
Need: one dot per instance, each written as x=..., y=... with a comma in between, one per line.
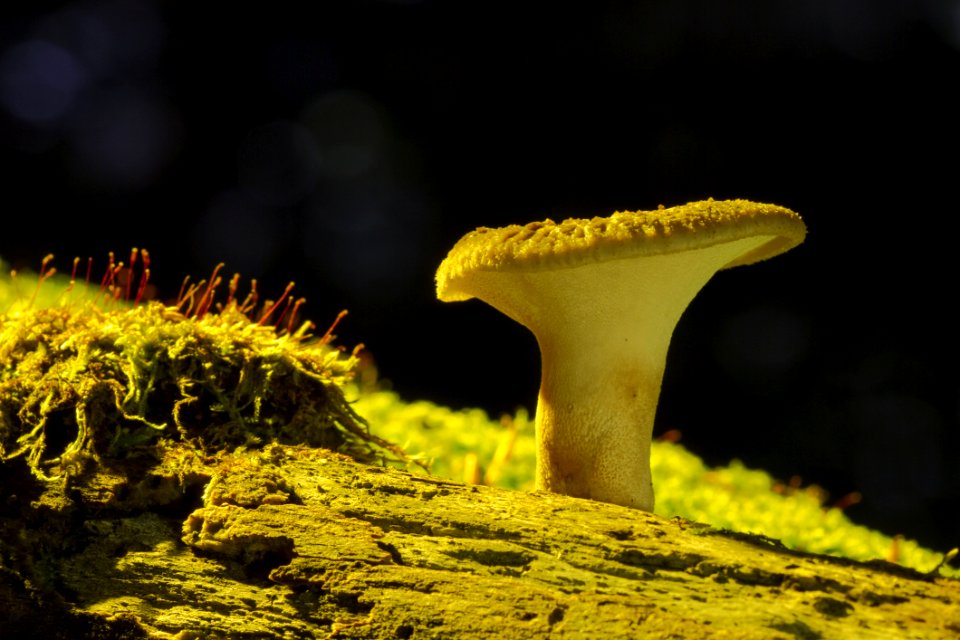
x=88, y=379
x=18, y=291
x=732, y=497
x=460, y=445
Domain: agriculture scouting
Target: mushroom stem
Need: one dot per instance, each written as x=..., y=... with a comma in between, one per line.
x=602, y=361
x=594, y=426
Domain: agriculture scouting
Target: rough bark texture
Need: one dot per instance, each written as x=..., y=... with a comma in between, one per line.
x=303, y=543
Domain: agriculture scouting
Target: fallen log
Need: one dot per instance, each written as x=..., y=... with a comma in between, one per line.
x=297, y=542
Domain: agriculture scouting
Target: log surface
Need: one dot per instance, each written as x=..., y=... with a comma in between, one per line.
x=303, y=543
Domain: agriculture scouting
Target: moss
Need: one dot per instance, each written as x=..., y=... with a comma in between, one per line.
x=85, y=380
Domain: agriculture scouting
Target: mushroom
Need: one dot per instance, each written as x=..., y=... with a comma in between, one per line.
x=602, y=296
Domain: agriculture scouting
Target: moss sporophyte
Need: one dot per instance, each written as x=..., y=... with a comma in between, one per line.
x=91, y=376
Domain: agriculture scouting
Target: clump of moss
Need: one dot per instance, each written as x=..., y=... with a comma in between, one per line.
x=464, y=445
x=87, y=380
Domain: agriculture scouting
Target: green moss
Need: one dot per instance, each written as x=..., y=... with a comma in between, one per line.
x=84, y=380
x=449, y=441
x=732, y=497
x=21, y=290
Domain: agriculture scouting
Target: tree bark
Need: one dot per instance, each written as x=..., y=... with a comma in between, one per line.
x=292, y=542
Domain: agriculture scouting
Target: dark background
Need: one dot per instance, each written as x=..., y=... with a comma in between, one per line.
x=348, y=145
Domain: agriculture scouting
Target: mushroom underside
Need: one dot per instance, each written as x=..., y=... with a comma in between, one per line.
x=603, y=330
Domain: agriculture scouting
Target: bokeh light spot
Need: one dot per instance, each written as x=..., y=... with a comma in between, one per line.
x=108, y=36
x=239, y=231
x=762, y=342
x=279, y=163
x=369, y=242
x=349, y=131
x=124, y=137
x=39, y=81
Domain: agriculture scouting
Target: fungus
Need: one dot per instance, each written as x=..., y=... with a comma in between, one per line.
x=602, y=296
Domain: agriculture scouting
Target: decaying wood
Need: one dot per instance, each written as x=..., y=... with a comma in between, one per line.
x=303, y=543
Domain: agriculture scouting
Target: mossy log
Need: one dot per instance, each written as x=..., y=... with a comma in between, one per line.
x=292, y=542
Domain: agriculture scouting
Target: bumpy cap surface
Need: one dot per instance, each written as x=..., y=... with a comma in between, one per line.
x=549, y=245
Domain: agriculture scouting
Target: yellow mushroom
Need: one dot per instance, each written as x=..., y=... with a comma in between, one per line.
x=602, y=296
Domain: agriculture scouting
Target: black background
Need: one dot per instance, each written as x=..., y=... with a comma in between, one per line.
x=348, y=145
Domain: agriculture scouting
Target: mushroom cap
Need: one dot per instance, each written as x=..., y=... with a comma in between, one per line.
x=548, y=245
